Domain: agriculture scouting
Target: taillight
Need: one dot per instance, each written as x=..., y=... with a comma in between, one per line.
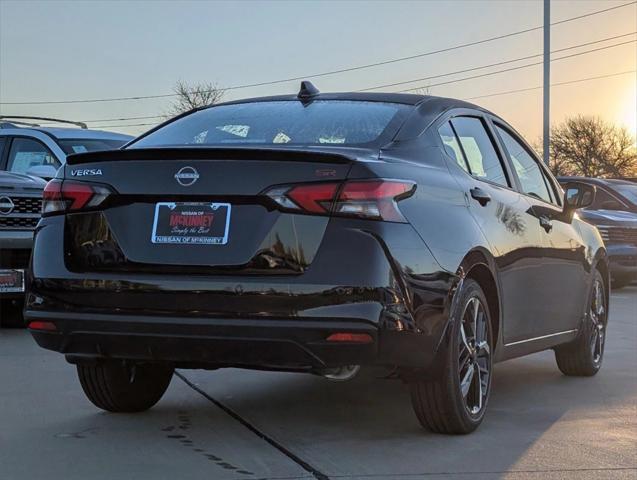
x=317, y=198
x=372, y=199
x=64, y=195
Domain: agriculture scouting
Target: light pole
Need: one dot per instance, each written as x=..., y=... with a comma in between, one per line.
x=546, y=128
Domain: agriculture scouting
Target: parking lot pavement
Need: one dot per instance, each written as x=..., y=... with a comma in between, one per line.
x=541, y=425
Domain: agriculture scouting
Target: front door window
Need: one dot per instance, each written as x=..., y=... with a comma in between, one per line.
x=26, y=153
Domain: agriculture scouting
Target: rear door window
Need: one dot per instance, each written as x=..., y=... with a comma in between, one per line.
x=451, y=145
x=529, y=172
x=26, y=153
x=480, y=153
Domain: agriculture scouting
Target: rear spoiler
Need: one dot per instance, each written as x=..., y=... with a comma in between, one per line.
x=211, y=153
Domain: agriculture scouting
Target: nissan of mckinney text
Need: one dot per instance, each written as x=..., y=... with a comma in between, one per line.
x=318, y=233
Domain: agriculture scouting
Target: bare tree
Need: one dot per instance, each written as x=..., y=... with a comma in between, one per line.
x=194, y=96
x=591, y=147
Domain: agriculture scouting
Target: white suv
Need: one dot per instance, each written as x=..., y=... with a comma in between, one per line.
x=30, y=149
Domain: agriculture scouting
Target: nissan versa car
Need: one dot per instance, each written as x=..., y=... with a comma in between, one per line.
x=318, y=233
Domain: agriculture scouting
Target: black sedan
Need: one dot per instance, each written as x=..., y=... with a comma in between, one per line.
x=614, y=213
x=318, y=233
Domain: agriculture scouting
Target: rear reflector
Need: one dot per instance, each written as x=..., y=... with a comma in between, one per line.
x=64, y=195
x=46, y=326
x=372, y=199
x=350, y=337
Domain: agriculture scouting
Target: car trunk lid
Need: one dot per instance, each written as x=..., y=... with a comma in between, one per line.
x=159, y=191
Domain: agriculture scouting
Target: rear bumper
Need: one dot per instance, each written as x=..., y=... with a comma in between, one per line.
x=209, y=343
x=367, y=277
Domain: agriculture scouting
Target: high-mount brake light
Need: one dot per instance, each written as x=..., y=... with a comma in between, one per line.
x=65, y=195
x=372, y=199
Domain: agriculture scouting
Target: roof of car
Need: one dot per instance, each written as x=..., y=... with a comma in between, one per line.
x=404, y=98
x=619, y=181
x=599, y=181
x=79, y=133
x=407, y=99
x=61, y=133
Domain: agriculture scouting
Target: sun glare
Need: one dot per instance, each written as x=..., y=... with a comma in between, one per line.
x=629, y=112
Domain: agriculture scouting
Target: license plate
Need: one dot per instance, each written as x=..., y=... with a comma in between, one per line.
x=191, y=223
x=11, y=281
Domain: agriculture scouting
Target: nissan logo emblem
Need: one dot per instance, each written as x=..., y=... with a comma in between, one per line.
x=6, y=205
x=186, y=176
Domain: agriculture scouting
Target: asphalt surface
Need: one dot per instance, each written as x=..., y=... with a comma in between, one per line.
x=237, y=424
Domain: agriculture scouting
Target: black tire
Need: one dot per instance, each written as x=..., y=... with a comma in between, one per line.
x=440, y=404
x=124, y=387
x=583, y=356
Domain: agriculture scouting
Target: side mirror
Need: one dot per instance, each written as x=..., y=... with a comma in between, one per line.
x=46, y=172
x=578, y=195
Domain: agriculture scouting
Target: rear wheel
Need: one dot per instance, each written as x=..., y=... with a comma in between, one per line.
x=583, y=356
x=124, y=387
x=455, y=401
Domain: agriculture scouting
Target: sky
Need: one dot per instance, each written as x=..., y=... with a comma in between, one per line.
x=73, y=50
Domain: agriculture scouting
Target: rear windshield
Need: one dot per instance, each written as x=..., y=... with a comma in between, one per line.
x=332, y=122
x=89, y=145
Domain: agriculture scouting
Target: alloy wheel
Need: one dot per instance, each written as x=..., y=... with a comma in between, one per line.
x=474, y=356
x=597, y=316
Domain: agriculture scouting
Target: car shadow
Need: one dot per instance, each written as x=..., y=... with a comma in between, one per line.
x=347, y=428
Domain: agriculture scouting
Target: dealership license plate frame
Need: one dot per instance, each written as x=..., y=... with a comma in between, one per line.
x=201, y=239
x=15, y=286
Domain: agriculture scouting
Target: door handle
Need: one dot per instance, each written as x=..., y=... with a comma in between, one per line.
x=480, y=195
x=546, y=224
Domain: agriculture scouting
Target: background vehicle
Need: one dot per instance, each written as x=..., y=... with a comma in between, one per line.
x=20, y=206
x=28, y=148
x=317, y=233
x=614, y=213
x=29, y=153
